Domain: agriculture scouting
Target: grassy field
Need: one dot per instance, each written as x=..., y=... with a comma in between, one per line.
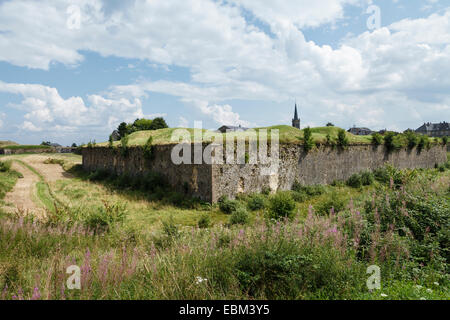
x=138, y=244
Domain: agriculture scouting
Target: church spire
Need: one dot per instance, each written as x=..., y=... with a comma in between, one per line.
x=295, y=113
x=296, y=120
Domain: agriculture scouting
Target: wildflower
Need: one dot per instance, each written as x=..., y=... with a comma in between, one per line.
x=384, y=295
x=429, y=290
x=422, y=298
x=200, y=280
x=36, y=294
x=436, y=283
x=418, y=286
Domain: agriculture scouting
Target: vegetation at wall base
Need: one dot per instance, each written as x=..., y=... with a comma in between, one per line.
x=399, y=222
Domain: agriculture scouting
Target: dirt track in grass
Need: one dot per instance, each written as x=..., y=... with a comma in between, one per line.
x=20, y=199
x=23, y=197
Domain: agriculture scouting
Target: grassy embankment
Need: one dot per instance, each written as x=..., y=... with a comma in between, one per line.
x=133, y=244
x=287, y=134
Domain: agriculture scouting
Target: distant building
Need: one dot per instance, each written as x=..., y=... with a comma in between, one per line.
x=435, y=129
x=296, y=120
x=360, y=131
x=115, y=135
x=225, y=129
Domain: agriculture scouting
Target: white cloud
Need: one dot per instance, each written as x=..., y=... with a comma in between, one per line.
x=401, y=71
x=46, y=110
x=28, y=126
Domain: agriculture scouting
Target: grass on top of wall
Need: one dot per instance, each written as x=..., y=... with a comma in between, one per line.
x=4, y=143
x=25, y=147
x=287, y=134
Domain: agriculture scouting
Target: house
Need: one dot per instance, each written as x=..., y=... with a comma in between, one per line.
x=435, y=129
x=360, y=131
x=225, y=129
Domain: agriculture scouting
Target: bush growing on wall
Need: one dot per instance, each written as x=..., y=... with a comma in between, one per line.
x=124, y=146
x=110, y=141
x=308, y=139
x=342, y=138
x=390, y=142
x=424, y=142
x=412, y=139
x=376, y=139
x=444, y=140
x=148, y=149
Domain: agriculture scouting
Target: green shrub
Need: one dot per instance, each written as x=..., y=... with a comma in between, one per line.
x=390, y=142
x=256, y=202
x=99, y=175
x=266, y=191
x=152, y=181
x=334, y=201
x=355, y=181
x=329, y=140
x=445, y=140
x=342, y=138
x=377, y=139
x=228, y=206
x=314, y=190
x=299, y=196
x=424, y=142
x=124, y=146
x=5, y=166
x=239, y=216
x=287, y=270
x=148, y=149
x=204, y=221
x=338, y=183
x=308, y=142
x=281, y=205
x=412, y=139
x=170, y=228
x=110, y=141
x=103, y=218
x=367, y=178
x=382, y=175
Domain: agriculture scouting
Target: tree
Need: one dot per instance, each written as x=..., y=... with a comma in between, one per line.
x=46, y=143
x=329, y=124
x=122, y=129
x=74, y=145
x=158, y=123
x=142, y=124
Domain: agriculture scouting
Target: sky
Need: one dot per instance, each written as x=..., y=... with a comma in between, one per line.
x=71, y=71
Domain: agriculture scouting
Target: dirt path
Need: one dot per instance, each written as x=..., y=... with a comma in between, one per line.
x=21, y=197
x=50, y=172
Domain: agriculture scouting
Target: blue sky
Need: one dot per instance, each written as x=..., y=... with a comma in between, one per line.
x=71, y=71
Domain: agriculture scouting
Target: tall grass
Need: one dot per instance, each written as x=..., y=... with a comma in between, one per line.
x=401, y=225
